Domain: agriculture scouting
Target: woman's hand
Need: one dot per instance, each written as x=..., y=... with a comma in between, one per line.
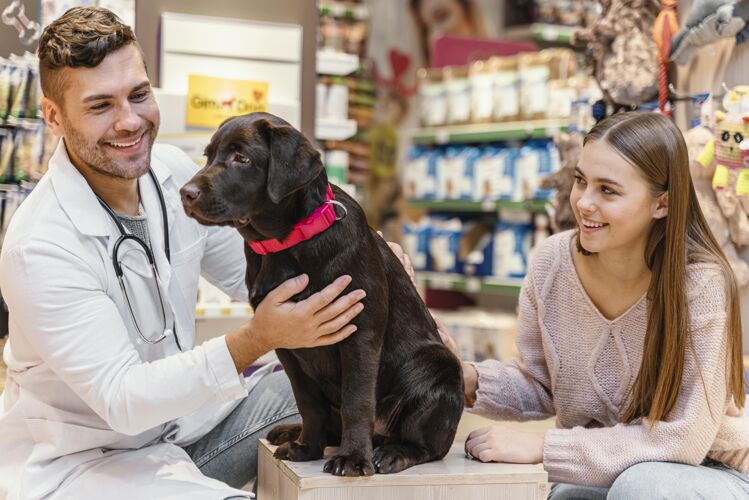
x=500, y=444
x=402, y=257
x=470, y=375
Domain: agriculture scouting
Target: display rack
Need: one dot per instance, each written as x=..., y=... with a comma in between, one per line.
x=471, y=284
x=488, y=132
x=557, y=33
x=330, y=62
x=489, y=206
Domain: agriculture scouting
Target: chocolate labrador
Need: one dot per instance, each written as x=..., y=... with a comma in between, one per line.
x=392, y=384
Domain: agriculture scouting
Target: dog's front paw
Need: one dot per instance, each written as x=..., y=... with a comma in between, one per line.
x=298, y=452
x=284, y=433
x=355, y=464
x=389, y=459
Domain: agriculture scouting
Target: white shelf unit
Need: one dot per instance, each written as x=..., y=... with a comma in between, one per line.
x=334, y=130
x=335, y=63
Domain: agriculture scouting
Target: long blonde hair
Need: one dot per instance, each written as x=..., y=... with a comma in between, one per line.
x=652, y=143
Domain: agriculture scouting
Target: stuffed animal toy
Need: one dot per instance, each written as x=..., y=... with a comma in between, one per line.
x=570, y=145
x=624, y=53
x=696, y=139
x=708, y=21
x=727, y=157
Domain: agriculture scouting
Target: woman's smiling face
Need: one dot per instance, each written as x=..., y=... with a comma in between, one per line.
x=612, y=201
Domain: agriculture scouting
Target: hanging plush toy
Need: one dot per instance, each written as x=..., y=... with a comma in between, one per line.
x=623, y=50
x=728, y=155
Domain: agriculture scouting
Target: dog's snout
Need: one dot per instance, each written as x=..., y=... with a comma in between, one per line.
x=190, y=194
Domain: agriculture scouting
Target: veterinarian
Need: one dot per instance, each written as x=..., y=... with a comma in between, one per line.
x=106, y=394
x=629, y=334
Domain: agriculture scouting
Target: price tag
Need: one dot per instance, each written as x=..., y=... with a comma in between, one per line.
x=549, y=33
x=442, y=137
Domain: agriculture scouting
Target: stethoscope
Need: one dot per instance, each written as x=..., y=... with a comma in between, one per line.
x=125, y=236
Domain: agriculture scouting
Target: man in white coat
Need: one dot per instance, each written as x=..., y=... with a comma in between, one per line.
x=106, y=395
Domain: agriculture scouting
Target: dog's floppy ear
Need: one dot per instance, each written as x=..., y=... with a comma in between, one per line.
x=293, y=162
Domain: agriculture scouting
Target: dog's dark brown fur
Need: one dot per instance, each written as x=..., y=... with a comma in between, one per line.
x=393, y=381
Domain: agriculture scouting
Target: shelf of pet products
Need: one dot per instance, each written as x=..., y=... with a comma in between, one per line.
x=548, y=32
x=486, y=206
x=333, y=62
x=471, y=284
x=489, y=132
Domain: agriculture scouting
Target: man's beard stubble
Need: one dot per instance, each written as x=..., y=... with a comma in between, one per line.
x=93, y=157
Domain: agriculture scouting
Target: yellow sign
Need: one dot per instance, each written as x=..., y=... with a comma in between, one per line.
x=211, y=100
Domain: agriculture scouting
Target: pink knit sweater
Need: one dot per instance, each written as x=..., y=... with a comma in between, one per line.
x=579, y=366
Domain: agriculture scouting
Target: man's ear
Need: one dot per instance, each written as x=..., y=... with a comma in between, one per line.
x=293, y=162
x=661, y=208
x=52, y=114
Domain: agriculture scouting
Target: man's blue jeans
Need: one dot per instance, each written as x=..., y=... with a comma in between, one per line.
x=229, y=451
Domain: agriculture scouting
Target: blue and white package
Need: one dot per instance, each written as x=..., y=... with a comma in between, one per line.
x=480, y=259
x=550, y=163
x=455, y=173
x=488, y=173
x=420, y=177
x=416, y=238
x=512, y=244
x=526, y=172
x=444, y=245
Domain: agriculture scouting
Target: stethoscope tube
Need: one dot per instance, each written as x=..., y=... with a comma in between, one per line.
x=124, y=236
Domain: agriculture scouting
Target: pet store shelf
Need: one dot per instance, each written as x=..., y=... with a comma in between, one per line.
x=486, y=132
x=472, y=284
x=334, y=130
x=348, y=10
x=479, y=206
x=552, y=32
x=234, y=310
x=330, y=62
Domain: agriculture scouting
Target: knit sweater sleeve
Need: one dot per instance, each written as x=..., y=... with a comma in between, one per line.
x=518, y=389
x=595, y=457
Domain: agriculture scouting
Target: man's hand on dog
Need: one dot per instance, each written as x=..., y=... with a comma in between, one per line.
x=279, y=323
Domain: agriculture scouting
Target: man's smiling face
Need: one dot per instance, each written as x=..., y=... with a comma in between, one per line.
x=109, y=116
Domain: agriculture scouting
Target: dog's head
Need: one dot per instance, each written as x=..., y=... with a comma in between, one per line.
x=254, y=163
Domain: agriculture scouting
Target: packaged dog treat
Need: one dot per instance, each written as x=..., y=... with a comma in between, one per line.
x=432, y=98
x=444, y=245
x=562, y=93
x=458, y=92
x=506, y=88
x=455, y=173
x=477, y=248
x=20, y=93
x=482, y=92
x=6, y=155
x=534, y=72
x=416, y=237
x=5, y=78
x=493, y=174
x=420, y=174
x=512, y=243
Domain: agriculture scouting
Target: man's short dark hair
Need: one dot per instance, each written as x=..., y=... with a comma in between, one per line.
x=82, y=37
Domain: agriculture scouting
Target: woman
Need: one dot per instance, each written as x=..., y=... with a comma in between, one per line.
x=629, y=333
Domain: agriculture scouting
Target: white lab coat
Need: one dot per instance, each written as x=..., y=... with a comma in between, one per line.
x=89, y=410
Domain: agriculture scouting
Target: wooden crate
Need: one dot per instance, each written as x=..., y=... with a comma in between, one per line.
x=455, y=477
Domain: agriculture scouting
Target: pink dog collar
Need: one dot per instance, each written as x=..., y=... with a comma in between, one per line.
x=320, y=220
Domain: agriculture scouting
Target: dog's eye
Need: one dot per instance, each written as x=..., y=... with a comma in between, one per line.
x=240, y=158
